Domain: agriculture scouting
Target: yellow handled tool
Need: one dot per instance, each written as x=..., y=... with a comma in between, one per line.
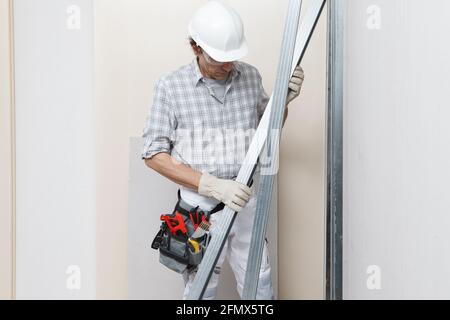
x=194, y=245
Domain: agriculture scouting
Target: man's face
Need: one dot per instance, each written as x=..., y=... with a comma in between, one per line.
x=214, y=69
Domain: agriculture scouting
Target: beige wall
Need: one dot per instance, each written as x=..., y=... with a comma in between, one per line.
x=136, y=41
x=112, y=106
x=301, y=196
x=6, y=271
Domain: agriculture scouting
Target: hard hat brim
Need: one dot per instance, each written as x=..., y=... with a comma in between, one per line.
x=228, y=56
x=222, y=56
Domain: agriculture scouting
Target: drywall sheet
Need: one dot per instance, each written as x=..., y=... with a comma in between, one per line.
x=396, y=150
x=55, y=149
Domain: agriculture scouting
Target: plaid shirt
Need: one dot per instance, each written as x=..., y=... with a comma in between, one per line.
x=198, y=129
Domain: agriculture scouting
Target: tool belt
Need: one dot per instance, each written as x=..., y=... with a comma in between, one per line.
x=177, y=249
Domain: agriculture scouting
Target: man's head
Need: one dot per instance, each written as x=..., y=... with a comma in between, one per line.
x=217, y=37
x=209, y=67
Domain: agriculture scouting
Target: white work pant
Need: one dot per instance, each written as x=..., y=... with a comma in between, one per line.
x=236, y=251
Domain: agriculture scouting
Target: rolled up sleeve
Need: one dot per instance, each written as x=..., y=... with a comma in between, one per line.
x=160, y=125
x=263, y=99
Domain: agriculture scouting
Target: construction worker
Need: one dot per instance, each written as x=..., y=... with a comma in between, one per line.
x=212, y=98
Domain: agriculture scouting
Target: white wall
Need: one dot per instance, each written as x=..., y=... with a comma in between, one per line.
x=55, y=149
x=396, y=149
x=6, y=245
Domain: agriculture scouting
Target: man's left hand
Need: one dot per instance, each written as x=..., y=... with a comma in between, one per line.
x=295, y=84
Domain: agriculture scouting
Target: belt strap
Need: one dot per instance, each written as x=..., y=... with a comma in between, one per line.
x=186, y=211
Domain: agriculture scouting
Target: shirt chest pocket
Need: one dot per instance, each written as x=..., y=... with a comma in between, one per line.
x=244, y=110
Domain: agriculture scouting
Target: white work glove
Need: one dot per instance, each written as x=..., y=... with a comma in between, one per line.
x=295, y=84
x=233, y=194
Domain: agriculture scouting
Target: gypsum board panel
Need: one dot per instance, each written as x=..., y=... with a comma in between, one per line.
x=225, y=222
x=266, y=181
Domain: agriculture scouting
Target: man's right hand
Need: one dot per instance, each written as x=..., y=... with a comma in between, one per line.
x=233, y=194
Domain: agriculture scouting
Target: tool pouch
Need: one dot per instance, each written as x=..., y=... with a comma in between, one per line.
x=172, y=241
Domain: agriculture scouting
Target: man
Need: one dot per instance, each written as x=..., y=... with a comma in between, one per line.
x=220, y=97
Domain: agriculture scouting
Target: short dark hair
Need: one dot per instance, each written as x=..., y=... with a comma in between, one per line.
x=194, y=45
x=192, y=42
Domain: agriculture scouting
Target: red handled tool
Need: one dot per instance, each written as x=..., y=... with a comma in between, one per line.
x=175, y=223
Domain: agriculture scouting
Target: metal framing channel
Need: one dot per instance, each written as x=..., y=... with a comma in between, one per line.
x=272, y=143
x=13, y=149
x=334, y=261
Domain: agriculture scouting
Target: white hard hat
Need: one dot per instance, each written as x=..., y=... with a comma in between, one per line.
x=219, y=30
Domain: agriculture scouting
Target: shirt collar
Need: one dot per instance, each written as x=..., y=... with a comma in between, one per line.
x=198, y=74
